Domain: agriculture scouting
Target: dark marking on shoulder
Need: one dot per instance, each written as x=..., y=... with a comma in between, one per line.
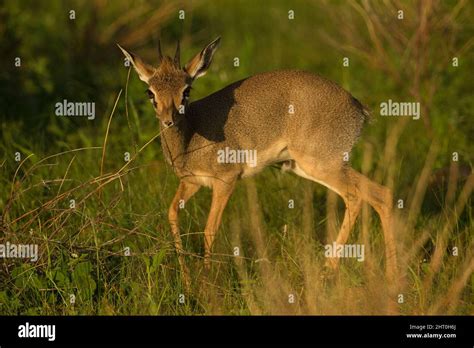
x=363, y=109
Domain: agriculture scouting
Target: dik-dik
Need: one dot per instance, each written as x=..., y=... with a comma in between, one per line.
x=293, y=117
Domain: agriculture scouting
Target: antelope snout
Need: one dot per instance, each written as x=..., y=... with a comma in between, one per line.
x=166, y=119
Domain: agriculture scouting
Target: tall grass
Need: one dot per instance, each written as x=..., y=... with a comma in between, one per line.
x=279, y=267
x=110, y=251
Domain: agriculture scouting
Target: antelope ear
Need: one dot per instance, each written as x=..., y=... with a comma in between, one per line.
x=198, y=66
x=143, y=70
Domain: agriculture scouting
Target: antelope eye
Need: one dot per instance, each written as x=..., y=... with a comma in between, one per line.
x=150, y=94
x=186, y=92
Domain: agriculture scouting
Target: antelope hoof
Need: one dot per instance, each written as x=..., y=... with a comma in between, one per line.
x=331, y=264
x=329, y=271
x=207, y=262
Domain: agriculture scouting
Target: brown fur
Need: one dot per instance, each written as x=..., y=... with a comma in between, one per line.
x=253, y=114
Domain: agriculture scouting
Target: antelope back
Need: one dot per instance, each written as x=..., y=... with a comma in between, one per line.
x=271, y=114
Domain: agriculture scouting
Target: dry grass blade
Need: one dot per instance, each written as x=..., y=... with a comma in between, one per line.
x=443, y=236
x=107, y=134
x=421, y=185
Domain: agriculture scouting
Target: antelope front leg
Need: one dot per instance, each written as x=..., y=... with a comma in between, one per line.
x=221, y=193
x=184, y=193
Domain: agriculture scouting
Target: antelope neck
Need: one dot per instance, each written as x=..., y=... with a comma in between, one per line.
x=174, y=141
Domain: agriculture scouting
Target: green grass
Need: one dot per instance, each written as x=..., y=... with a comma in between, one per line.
x=82, y=249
